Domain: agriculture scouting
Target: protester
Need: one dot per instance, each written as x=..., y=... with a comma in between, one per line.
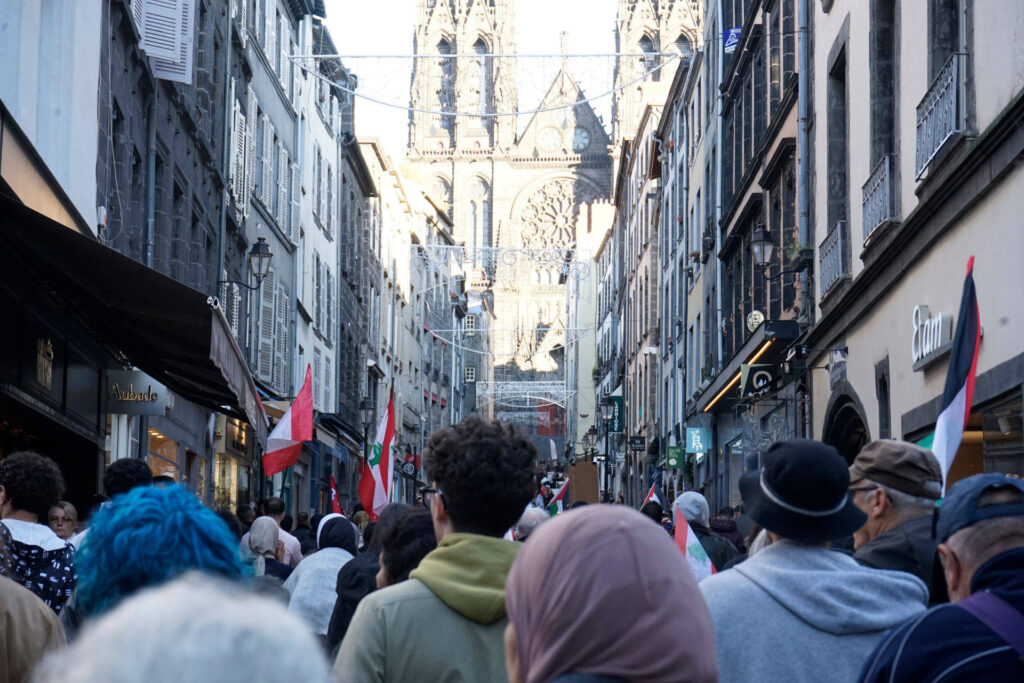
x=305, y=533
x=619, y=500
x=896, y=484
x=267, y=549
x=361, y=519
x=274, y=508
x=120, y=476
x=532, y=518
x=245, y=516
x=600, y=594
x=234, y=526
x=481, y=478
x=695, y=510
x=28, y=630
x=146, y=537
x=654, y=510
x=543, y=494
x=402, y=551
x=31, y=484
x=797, y=611
x=980, y=530
x=63, y=520
x=743, y=523
x=725, y=526
x=312, y=583
x=358, y=578
x=191, y=629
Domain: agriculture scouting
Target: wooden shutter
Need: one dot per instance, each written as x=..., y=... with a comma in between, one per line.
x=265, y=350
x=297, y=77
x=329, y=332
x=317, y=375
x=281, y=351
x=295, y=227
x=285, y=72
x=159, y=24
x=317, y=291
x=236, y=307
x=323, y=192
x=283, y=188
x=327, y=407
x=250, y=147
x=178, y=67
x=270, y=45
x=267, y=160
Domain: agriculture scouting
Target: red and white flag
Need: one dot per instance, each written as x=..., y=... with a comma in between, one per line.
x=651, y=495
x=375, y=482
x=555, y=506
x=285, y=442
x=959, y=391
x=335, y=503
x=688, y=543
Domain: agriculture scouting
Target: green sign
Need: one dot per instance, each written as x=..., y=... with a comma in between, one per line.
x=674, y=457
x=618, y=416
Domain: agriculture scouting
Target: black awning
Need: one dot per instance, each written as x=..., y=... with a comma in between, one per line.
x=167, y=329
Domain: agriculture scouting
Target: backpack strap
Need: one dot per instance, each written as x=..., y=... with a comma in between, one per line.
x=1004, y=620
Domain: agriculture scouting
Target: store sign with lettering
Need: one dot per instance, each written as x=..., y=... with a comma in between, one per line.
x=697, y=440
x=130, y=392
x=932, y=337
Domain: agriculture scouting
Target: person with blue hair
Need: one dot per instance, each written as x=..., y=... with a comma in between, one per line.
x=146, y=537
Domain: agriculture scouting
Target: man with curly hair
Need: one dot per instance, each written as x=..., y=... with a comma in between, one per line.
x=481, y=476
x=30, y=484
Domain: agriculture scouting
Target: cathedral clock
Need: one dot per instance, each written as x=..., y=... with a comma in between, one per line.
x=580, y=140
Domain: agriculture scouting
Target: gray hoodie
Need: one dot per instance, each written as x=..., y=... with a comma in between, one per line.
x=803, y=613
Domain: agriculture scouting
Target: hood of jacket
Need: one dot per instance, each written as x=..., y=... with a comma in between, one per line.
x=831, y=591
x=468, y=572
x=35, y=545
x=723, y=526
x=358, y=578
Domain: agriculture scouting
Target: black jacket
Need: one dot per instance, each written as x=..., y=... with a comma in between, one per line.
x=307, y=540
x=718, y=549
x=947, y=641
x=726, y=528
x=908, y=547
x=356, y=580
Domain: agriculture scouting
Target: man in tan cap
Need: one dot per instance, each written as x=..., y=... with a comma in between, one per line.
x=896, y=484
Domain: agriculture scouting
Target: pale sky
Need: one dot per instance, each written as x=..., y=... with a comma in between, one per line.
x=387, y=26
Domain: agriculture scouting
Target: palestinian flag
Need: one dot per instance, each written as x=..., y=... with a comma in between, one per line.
x=959, y=391
x=375, y=482
x=689, y=545
x=284, y=445
x=335, y=503
x=555, y=506
x=651, y=495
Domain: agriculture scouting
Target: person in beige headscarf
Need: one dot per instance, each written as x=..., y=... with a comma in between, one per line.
x=601, y=594
x=267, y=549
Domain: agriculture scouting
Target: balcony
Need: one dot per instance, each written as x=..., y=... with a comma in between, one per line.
x=940, y=115
x=832, y=265
x=877, y=196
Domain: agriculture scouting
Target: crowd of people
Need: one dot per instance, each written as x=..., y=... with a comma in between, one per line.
x=825, y=571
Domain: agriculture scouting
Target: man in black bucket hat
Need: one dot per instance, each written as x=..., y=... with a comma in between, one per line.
x=797, y=611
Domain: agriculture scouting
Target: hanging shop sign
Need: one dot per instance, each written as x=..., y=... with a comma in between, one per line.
x=130, y=392
x=755, y=379
x=674, y=457
x=637, y=443
x=618, y=416
x=933, y=336
x=698, y=440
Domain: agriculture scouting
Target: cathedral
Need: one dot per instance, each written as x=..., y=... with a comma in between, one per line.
x=518, y=190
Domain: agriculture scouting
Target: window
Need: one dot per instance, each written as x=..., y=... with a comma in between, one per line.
x=444, y=91
x=471, y=324
x=649, y=60
x=838, y=144
x=470, y=374
x=884, y=66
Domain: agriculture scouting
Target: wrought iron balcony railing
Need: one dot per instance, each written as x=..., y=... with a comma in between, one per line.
x=832, y=265
x=940, y=115
x=877, y=196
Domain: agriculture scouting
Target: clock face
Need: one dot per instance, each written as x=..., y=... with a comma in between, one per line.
x=549, y=139
x=580, y=140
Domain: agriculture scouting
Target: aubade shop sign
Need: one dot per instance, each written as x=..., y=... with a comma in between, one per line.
x=130, y=392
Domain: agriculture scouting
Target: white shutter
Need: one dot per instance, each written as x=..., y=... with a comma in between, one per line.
x=329, y=332
x=317, y=292
x=241, y=14
x=283, y=186
x=265, y=350
x=327, y=407
x=250, y=148
x=159, y=24
x=296, y=204
x=281, y=353
x=297, y=77
x=284, y=36
x=178, y=67
x=268, y=164
x=270, y=38
x=323, y=193
x=236, y=305
x=238, y=155
x=317, y=376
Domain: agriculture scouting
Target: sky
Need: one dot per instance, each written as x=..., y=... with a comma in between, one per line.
x=386, y=27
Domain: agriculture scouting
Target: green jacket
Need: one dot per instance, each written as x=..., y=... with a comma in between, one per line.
x=445, y=624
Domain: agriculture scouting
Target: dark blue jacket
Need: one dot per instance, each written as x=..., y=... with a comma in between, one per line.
x=948, y=644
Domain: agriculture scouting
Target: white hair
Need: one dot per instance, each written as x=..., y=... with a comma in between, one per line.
x=901, y=500
x=192, y=629
x=531, y=519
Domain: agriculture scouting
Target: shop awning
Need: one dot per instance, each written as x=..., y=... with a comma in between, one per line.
x=172, y=332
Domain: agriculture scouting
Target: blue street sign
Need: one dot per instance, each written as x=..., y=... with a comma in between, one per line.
x=732, y=39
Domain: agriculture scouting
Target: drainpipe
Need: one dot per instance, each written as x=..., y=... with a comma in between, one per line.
x=802, y=171
x=150, y=220
x=293, y=313
x=718, y=190
x=229, y=97
x=684, y=135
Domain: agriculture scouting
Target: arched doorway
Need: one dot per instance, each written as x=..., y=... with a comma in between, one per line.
x=845, y=426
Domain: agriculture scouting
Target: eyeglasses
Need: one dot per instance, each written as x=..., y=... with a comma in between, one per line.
x=428, y=495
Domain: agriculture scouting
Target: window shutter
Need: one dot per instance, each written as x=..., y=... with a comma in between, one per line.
x=268, y=163
x=327, y=407
x=240, y=14
x=329, y=223
x=329, y=333
x=317, y=292
x=236, y=305
x=250, y=149
x=270, y=38
x=265, y=352
x=323, y=193
x=178, y=67
x=159, y=24
x=317, y=375
x=296, y=204
x=285, y=74
x=239, y=144
x=296, y=82
x=281, y=346
x=283, y=188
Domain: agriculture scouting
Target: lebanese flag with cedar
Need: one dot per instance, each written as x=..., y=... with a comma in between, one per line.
x=688, y=543
x=959, y=390
x=285, y=442
x=335, y=503
x=651, y=495
x=375, y=482
x=555, y=506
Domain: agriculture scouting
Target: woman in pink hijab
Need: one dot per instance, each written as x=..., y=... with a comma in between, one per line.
x=602, y=594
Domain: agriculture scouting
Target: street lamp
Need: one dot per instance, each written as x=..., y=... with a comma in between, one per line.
x=761, y=244
x=366, y=413
x=590, y=440
x=259, y=265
